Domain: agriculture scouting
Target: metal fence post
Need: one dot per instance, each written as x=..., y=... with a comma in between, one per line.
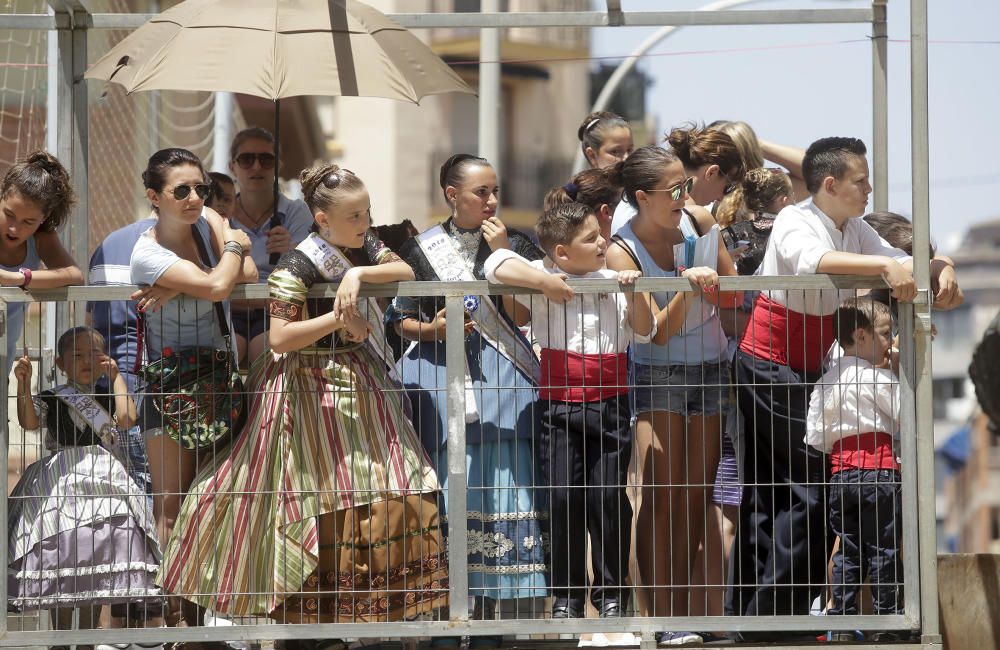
x=880, y=105
x=4, y=444
x=458, y=542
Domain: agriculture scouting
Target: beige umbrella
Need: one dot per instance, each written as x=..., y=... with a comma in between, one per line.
x=275, y=49
x=278, y=48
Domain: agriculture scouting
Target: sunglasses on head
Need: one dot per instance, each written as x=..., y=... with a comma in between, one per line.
x=333, y=179
x=181, y=192
x=679, y=190
x=246, y=160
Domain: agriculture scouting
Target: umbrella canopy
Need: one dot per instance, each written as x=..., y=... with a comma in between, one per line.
x=275, y=49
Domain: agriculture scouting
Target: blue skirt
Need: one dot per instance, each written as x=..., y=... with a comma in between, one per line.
x=507, y=518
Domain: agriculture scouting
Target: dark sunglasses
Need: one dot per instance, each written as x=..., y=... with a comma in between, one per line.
x=246, y=160
x=181, y=192
x=679, y=190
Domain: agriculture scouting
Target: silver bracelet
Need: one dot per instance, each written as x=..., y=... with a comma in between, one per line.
x=233, y=247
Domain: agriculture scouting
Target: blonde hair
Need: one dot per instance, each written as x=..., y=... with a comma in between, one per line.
x=745, y=140
x=762, y=187
x=325, y=185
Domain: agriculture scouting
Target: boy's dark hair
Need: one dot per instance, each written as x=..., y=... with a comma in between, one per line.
x=829, y=157
x=68, y=338
x=217, y=180
x=560, y=225
x=855, y=313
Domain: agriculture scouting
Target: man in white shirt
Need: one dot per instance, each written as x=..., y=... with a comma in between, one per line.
x=782, y=546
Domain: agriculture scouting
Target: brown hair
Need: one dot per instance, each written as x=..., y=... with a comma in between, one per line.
x=595, y=127
x=251, y=133
x=453, y=170
x=68, y=338
x=41, y=179
x=745, y=140
x=896, y=229
x=640, y=171
x=858, y=313
x=762, y=186
x=591, y=187
x=560, y=224
x=325, y=185
x=699, y=146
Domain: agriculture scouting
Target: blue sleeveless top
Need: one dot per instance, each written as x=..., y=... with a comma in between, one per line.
x=15, y=310
x=705, y=343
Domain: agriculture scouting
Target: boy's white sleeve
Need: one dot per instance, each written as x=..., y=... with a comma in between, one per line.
x=816, y=417
x=798, y=244
x=887, y=395
x=497, y=258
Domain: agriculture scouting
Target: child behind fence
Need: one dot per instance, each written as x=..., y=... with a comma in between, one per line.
x=585, y=406
x=854, y=417
x=80, y=529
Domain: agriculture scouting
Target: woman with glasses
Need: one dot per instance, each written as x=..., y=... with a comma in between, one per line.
x=506, y=556
x=605, y=138
x=273, y=229
x=325, y=510
x=192, y=255
x=678, y=381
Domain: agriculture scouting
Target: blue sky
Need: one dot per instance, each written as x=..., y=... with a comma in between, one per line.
x=821, y=86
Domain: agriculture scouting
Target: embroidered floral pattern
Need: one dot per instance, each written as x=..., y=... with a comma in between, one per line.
x=489, y=544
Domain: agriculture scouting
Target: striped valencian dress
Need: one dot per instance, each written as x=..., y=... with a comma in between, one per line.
x=325, y=508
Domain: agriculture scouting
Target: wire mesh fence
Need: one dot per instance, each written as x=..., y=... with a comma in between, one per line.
x=519, y=479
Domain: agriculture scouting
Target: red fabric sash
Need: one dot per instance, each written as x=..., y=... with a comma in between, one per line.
x=863, y=451
x=788, y=338
x=573, y=377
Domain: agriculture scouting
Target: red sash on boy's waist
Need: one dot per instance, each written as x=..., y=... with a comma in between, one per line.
x=786, y=337
x=574, y=377
x=863, y=451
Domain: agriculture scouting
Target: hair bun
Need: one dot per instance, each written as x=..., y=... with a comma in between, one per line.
x=311, y=177
x=46, y=161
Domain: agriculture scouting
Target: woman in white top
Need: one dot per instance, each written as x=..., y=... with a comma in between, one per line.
x=167, y=260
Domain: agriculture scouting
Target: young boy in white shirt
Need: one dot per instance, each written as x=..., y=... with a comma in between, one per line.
x=854, y=418
x=585, y=407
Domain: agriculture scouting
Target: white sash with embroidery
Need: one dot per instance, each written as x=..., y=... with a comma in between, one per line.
x=85, y=412
x=332, y=265
x=440, y=251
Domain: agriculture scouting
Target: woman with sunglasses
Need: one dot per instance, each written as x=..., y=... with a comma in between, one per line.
x=357, y=517
x=273, y=230
x=36, y=196
x=678, y=381
x=506, y=558
x=191, y=253
x=711, y=160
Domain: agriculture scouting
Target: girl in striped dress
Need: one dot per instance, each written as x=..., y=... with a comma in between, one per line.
x=325, y=508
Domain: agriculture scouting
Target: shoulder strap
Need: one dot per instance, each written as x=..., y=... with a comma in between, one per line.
x=220, y=313
x=694, y=222
x=618, y=239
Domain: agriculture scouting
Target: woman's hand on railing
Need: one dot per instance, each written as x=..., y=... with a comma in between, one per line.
x=153, y=298
x=702, y=277
x=356, y=329
x=345, y=305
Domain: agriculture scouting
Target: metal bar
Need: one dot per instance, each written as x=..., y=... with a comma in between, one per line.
x=489, y=90
x=477, y=287
x=880, y=105
x=458, y=542
x=222, y=131
x=402, y=629
x=523, y=19
x=908, y=450
x=4, y=449
x=615, y=16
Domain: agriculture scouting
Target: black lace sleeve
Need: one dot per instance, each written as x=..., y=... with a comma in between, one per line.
x=296, y=263
x=521, y=244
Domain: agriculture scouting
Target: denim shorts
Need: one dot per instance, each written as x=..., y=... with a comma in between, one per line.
x=700, y=389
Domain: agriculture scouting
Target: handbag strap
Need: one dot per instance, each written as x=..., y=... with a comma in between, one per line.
x=203, y=254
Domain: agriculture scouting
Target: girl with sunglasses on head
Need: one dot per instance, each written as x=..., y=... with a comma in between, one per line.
x=678, y=381
x=328, y=488
x=192, y=255
x=36, y=196
x=273, y=229
x=606, y=139
x=506, y=557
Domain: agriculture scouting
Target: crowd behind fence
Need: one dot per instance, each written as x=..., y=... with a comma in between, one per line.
x=489, y=499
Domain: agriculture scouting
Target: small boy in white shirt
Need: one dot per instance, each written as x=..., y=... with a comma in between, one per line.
x=585, y=406
x=854, y=417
